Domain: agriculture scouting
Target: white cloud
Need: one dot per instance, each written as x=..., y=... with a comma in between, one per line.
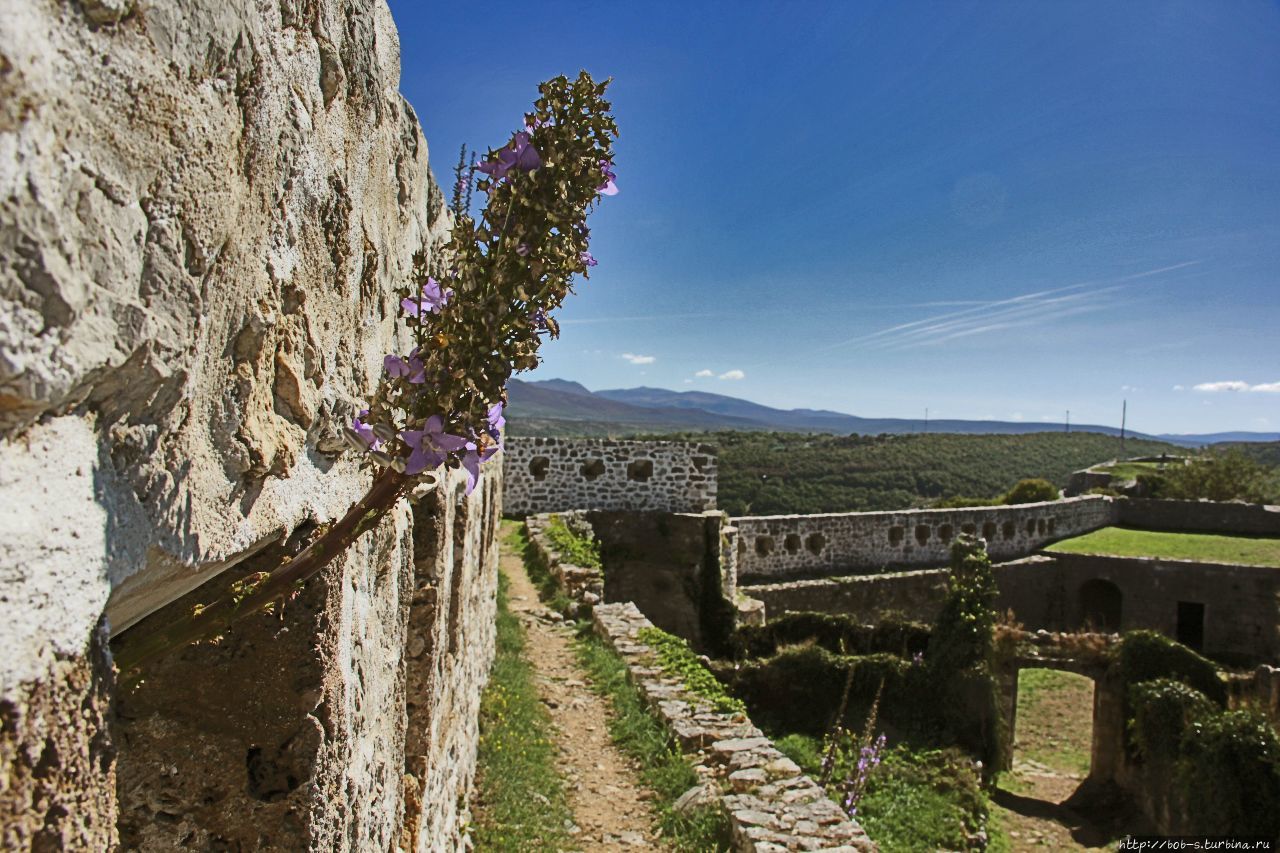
x=639, y=359
x=1178, y=388
x=704, y=374
x=1237, y=385
x=733, y=374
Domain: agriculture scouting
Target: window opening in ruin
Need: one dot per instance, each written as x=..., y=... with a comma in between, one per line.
x=815, y=543
x=969, y=528
x=591, y=469
x=1031, y=527
x=1191, y=624
x=538, y=467
x=1040, y=525
x=640, y=470
x=700, y=462
x=792, y=543
x=1009, y=529
x=764, y=545
x=896, y=534
x=989, y=531
x=944, y=532
x=1101, y=605
x=922, y=533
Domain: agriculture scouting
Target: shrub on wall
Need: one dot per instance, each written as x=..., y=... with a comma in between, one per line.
x=1163, y=711
x=1030, y=492
x=1148, y=655
x=834, y=632
x=1230, y=775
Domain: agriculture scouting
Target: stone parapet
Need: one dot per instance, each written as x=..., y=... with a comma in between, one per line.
x=560, y=474
x=770, y=803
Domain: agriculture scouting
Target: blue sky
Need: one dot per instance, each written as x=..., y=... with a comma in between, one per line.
x=1003, y=210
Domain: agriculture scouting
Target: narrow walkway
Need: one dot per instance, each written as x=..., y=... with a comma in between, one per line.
x=611, y=809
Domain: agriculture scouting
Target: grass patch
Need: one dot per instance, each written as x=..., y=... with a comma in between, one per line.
x=575, y=549
x=1131, y=470
x=1055, y=719
x=520, y=801
x=1205, y=547
x=663, y=769
x=677, y=659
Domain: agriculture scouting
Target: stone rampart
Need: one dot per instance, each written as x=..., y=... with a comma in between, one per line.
x=205, y=207
x=560, y=474
x=1199, y=516
x=780, y=547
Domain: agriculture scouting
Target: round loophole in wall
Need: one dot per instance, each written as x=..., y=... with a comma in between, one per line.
x=945, y=532
x=591, y=469
x=792, y=543
x=814, y=543
x=764, y=545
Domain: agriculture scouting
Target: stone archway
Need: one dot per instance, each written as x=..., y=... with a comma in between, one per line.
x=1101, y=605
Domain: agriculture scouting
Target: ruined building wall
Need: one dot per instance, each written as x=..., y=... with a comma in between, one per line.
x=204, y=207
x=560, y=474
x=774, y=548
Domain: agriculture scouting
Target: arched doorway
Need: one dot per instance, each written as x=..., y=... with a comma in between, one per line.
x=1100, y=605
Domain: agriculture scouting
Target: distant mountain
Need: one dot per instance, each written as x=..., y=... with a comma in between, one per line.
x=558, y=406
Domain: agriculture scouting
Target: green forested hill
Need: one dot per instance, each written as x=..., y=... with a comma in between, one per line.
x=764, y=473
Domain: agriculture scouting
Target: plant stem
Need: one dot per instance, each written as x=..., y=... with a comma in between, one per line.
x=211, y=620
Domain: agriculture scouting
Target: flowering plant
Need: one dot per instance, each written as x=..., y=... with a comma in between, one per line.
x=476, y=314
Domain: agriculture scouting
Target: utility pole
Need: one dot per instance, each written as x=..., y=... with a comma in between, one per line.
x=1124, y=413
x=1068, y=420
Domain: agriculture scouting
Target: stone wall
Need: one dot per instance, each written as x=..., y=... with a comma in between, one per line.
x=1201, y=516
x=204, y=207
x=560, y=474
x=1241, y=603
x=780, y=547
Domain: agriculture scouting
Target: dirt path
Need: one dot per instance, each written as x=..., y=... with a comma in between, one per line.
x=611, y=810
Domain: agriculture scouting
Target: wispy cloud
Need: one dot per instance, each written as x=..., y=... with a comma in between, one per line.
x=733, y=374
x=1027, y=309
x=704, y=374
x=1237, y=385
x=639, y=359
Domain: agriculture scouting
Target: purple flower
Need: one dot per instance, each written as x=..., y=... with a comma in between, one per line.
x=431, y=299
x=517, y=155
x=410, y=368
x=608, y=187
x=587, y=259
x=496, y=422
x=523, y=250
x=362, y=429
x=429, y=446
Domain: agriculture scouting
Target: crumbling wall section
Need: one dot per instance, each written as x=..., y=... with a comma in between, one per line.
x=561, y=474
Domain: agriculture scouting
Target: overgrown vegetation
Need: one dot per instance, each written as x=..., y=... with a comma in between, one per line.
x=1031, y=490
x=1217, y=475
x=947, y=697
x=662, y=768
x=834, y=632
x=574, y=547
x=765, y=473
x=677, y=659
x=1222, y=767
x=520, y=799
x=1206, y=547
x=916, y=800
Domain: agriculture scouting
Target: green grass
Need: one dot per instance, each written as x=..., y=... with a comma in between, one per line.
x=520, y=803
x=1130, y=470
x=575, y=549
x=1206, y=547
x=663, y=769
x=678, y=660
